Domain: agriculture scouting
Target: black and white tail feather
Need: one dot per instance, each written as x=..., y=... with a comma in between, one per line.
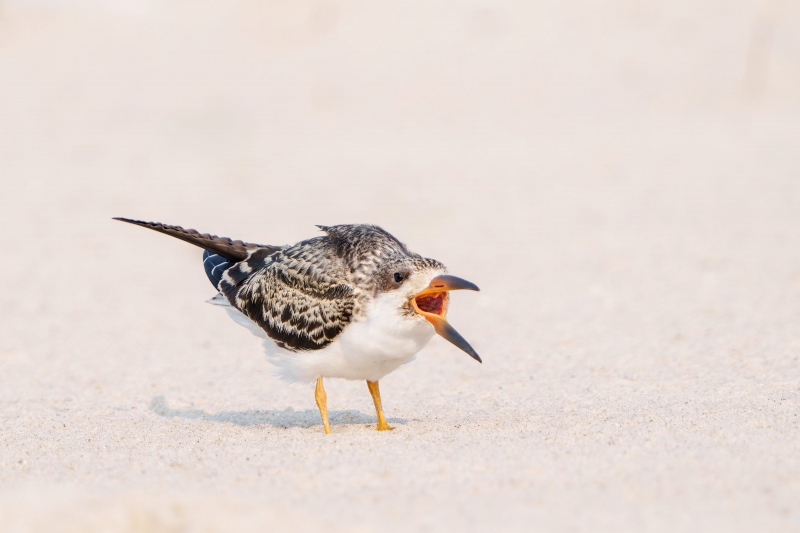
x=220, y=253
x=215, y=266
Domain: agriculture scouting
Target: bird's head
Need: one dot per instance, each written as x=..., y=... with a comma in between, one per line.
x=420, y=288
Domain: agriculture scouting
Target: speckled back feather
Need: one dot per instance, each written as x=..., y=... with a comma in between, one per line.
x=305, y=295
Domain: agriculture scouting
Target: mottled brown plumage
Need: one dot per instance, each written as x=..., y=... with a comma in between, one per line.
x=300, y=296
x=304, y=295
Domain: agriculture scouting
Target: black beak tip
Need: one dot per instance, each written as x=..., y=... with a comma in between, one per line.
x=470, y=286
x=472, y=353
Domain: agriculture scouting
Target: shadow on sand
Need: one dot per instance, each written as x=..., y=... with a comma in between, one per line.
x=280, y=419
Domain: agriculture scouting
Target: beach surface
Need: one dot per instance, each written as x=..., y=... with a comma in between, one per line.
x=621, y=179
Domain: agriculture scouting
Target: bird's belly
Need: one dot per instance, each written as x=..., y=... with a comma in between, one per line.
x=367, y=349
x=361, y=352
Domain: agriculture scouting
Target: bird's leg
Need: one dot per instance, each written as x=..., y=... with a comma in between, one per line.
x=376, y=397
x=322, y=403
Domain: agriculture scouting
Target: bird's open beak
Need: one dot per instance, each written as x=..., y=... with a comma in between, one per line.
x=431, y=303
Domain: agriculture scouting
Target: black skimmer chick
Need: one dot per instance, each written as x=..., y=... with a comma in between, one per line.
x=354, y=303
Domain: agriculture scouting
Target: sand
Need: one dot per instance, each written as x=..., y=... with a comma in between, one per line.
x=621, y=179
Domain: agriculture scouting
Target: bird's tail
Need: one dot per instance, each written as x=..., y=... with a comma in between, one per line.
x=221, y=252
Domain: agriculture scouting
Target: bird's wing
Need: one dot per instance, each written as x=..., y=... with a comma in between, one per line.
x=299, y=296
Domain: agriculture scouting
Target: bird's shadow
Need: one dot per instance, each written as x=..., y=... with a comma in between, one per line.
x=280, y=419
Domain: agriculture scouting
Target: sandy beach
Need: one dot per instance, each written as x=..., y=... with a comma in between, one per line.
x=621, y=179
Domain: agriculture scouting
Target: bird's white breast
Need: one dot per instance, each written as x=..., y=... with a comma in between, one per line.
x=369, y=348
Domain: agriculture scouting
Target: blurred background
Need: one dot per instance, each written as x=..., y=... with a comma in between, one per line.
x=621, y=178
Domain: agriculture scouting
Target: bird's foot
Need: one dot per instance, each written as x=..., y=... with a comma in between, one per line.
x=384, y=427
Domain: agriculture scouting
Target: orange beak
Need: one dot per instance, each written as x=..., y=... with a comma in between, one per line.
x=431, y=303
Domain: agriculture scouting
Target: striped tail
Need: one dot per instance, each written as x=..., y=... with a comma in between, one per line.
x=220, y=254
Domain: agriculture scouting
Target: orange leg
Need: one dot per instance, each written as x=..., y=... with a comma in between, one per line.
x=376, y=397
x=322, y=403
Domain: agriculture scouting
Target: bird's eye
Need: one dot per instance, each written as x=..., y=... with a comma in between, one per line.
x=398, y=277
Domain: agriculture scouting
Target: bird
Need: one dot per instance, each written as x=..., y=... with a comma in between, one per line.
x=352, y=303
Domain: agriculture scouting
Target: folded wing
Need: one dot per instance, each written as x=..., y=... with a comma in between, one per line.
x=298, y=296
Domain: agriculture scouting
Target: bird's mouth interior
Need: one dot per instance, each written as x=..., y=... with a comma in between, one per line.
x=434, y=303
x=431, y=303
